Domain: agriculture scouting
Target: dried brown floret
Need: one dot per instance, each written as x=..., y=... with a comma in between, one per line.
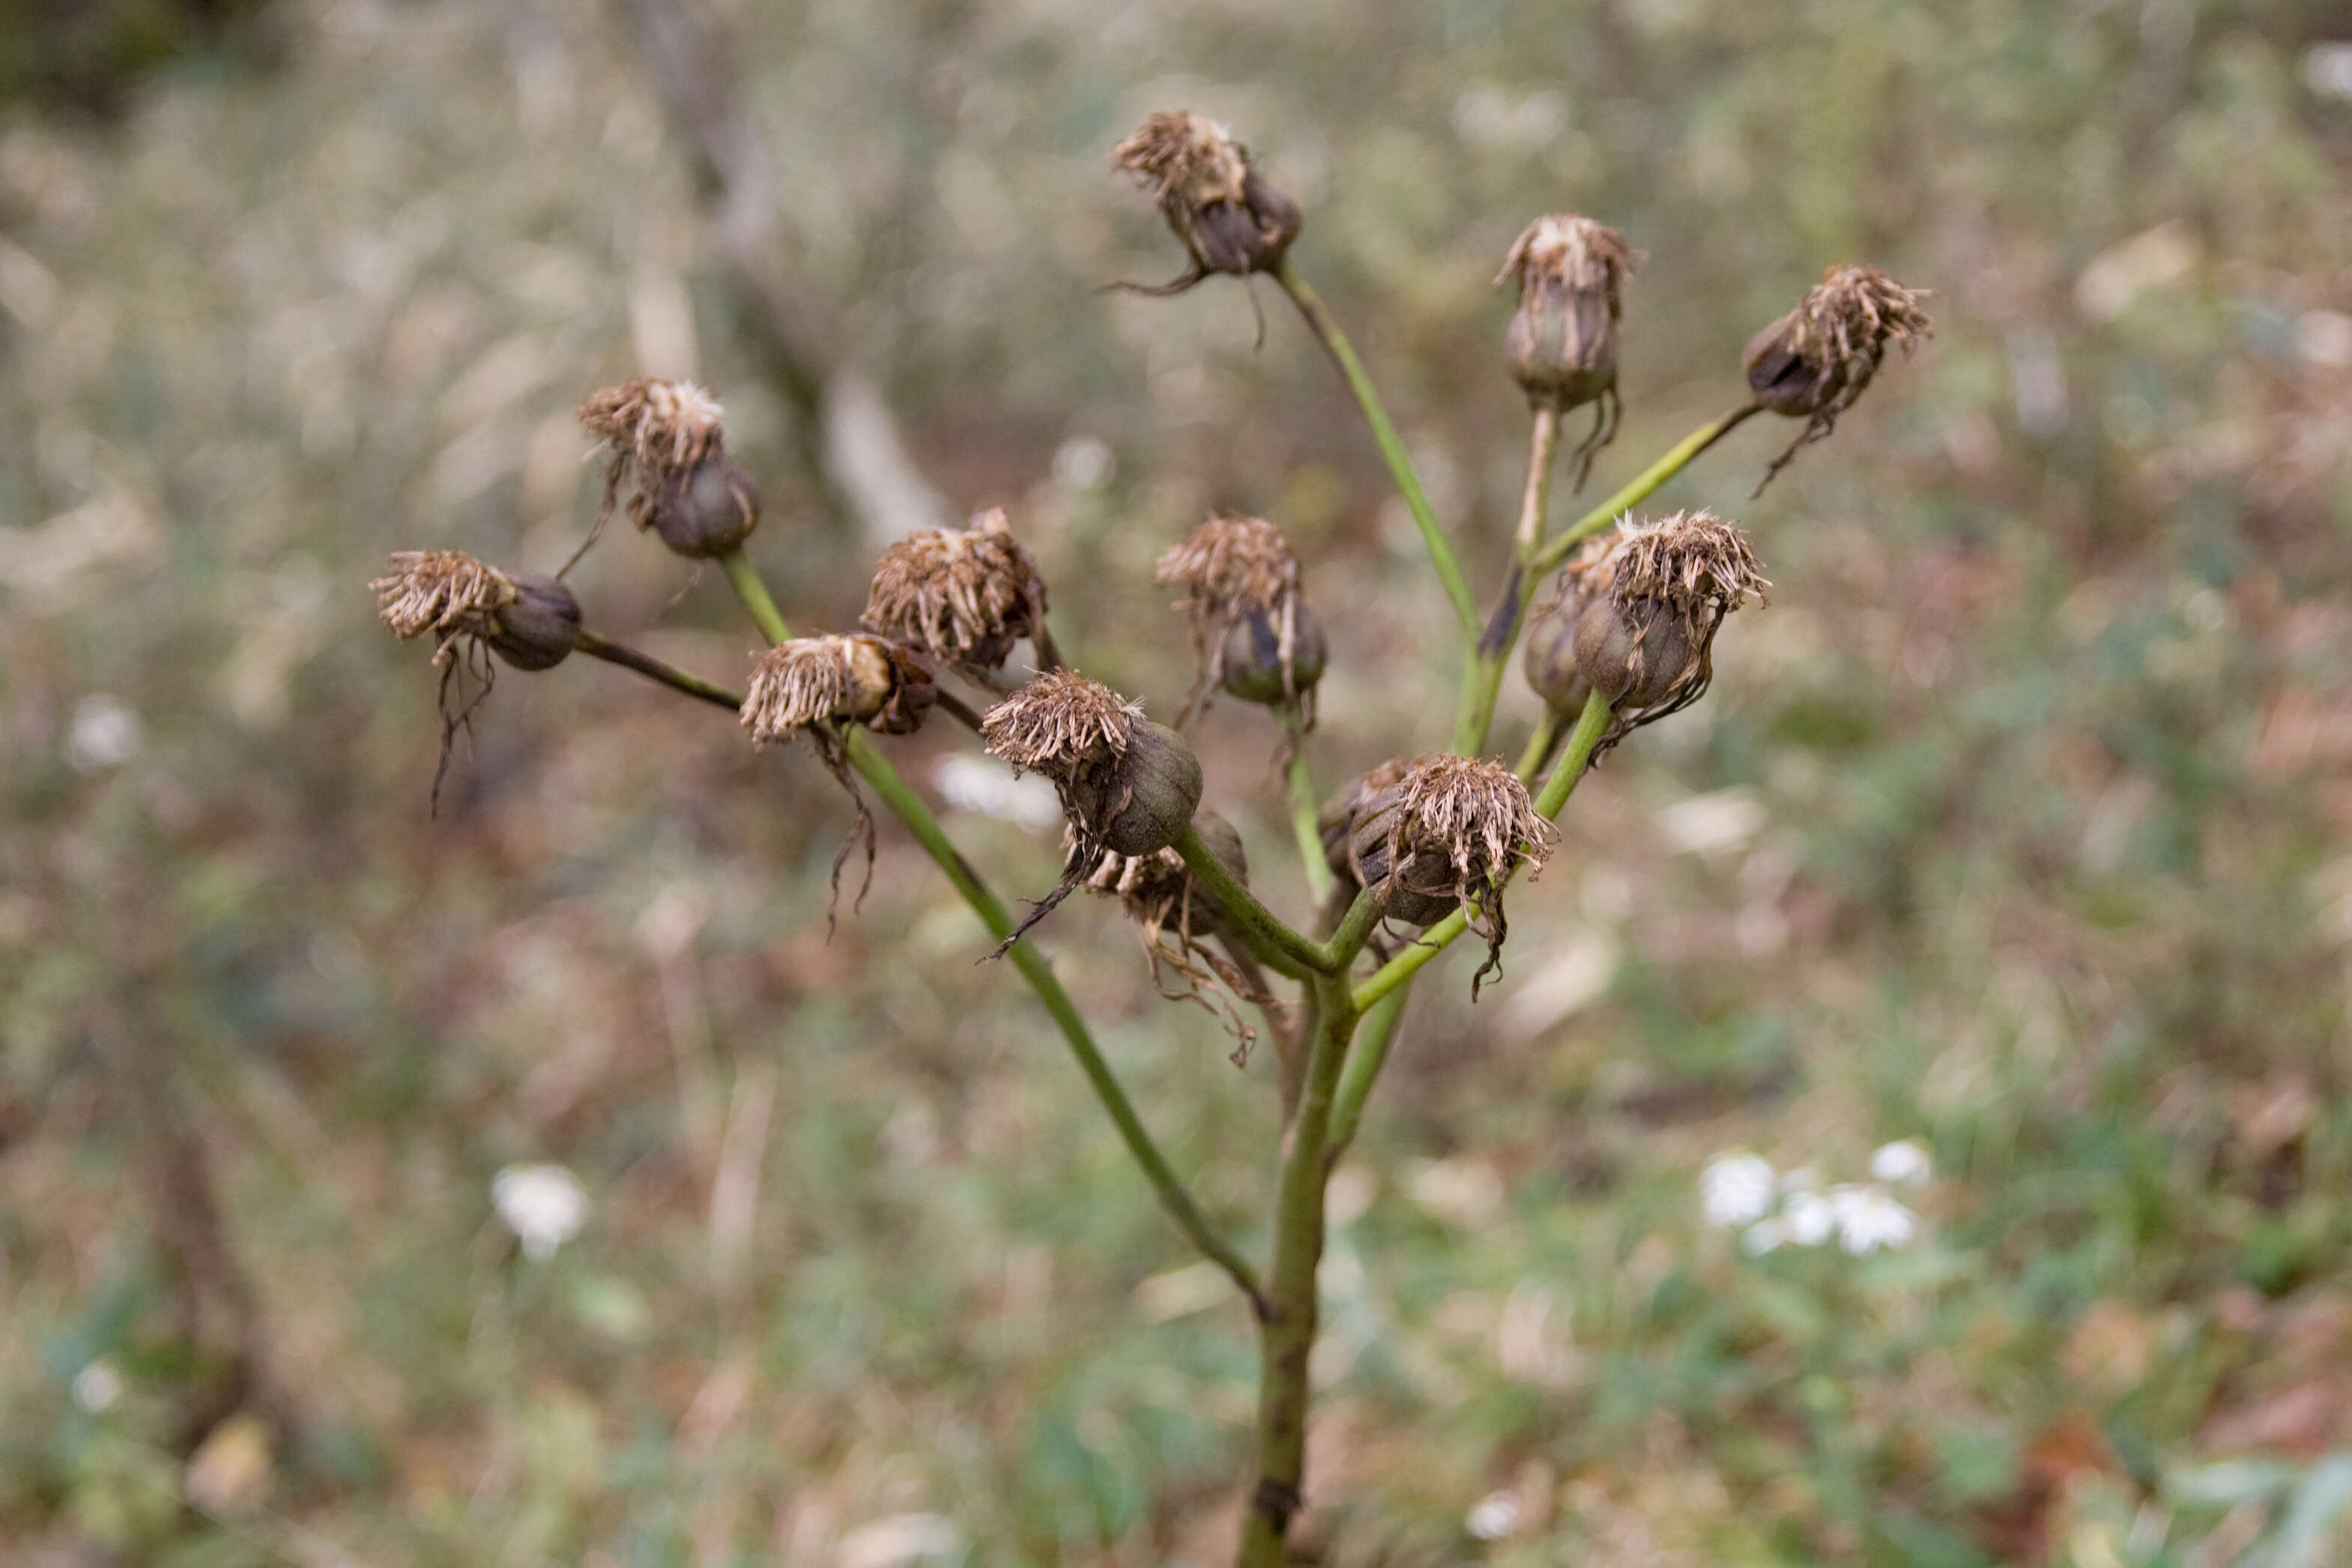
x=1181, y=924
x=1126, y=784
x=1562, y=340
x=1252, y=631
x=811, y=687
x=527, y=619
x=1437, y=833
x=964, y=595
x=1229, y=218
x=1645, y=600
x=1813, y=363
x=670, y=436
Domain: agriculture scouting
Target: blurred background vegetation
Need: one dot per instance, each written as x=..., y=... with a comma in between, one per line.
x=2020, y=823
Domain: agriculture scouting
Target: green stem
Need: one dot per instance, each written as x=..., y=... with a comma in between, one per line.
x=1287, y=1337
x=894, y=792
x=645, y=664
x=1365, y=1059
x=1473, y=715
x=1259, y=927
x=908, y=807
x=753, y=592
x=1440, y=554
x=1677, y=457
x=1305, y=808
x=1590, y=726
x=1540, y=744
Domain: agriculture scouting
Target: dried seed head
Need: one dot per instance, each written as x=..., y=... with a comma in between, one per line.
x=810, y=687
x=1550, y=660
x=1443, y=831
x=1562, y=340
x=670, y=435
x=1127, y=785
x=1644, y=602
x=806, y=685
x=1178, y=922
x=526, y=619
x=965, y=596
x=1229, y=218
x=1815, y=361
x=1252, y=631
x=1062, y=725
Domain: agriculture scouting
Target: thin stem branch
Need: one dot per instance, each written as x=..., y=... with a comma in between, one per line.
x=1540, y=744
x=745, y=579
x=1542, y=444
x=1441, y=553
x=1304, y=808
x=1676, y=458
x=645, y=664
x=1473, y=715
x=909, y=809
x=1259, y=927
x=1581, y=743
x=1365, y=1059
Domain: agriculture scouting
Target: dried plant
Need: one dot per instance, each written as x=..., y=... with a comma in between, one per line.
x=1252, y=631
x=963, y=596
x=1429, y=843
x=1815, y=361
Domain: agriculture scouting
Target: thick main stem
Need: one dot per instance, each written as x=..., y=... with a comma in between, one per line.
x=909, y=807
x=1287, y=1336
x=1441, y=552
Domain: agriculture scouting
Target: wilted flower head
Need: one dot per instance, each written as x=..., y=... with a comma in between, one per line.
x=1562, y=340
x=962, y=595
x=1252, y=631
x=811, y=686
x=1813, y=363
x=544, y=1205
x=1177, y=921
x=1645, y=600
x=1127, y=785
x=804, y=687
x=1229, y=218
x=527, y=618
x=1439, y=833
x=671, y=435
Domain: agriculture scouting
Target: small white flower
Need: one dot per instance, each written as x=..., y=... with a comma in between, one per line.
x=1870, y=1217
x=1735, y=1189
x=978, y=784
x=1904, y=1163
x=97, y=1386
x=104, y=733
x=1809, y=1217
x=544, y=1205
x=1493, y=1517
x=1764, y=1236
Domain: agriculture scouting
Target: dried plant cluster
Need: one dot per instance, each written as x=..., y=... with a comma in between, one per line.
x=1414, y=853
x=670, y=437
x=1228, y=218
x=1252, y=631
x=1562, y=341
x=1815, y=361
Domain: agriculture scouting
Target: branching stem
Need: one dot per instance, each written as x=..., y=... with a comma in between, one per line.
x=1304, y=808
x=1441, y=553
x=909, y=807
x=1638, y=489
x=1581, y=743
